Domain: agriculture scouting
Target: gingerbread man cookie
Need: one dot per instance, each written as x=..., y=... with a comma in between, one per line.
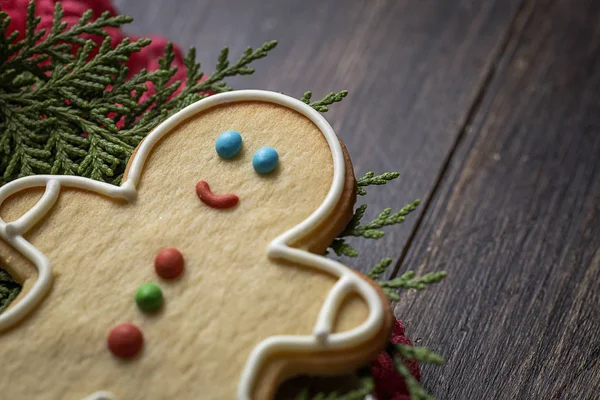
x=202, y=275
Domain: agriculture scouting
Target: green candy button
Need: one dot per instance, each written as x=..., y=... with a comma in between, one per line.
x=149, y=297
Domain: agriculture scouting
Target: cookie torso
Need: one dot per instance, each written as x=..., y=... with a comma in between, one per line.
x=230, y=298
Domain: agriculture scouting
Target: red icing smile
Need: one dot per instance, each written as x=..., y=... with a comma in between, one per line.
x=213, y=200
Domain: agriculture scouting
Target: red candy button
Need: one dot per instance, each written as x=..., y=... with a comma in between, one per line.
x=125, y=340
x=168, y=263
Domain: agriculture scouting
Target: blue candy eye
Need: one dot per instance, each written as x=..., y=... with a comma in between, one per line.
x=228, y=144
x=265, y=160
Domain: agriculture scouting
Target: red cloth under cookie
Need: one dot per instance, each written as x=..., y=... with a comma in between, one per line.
x=388, y=384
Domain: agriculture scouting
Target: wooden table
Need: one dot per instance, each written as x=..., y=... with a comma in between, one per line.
x=490, y=109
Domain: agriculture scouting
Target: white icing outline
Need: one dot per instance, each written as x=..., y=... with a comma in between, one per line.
x=102, y=396
x=279, y=248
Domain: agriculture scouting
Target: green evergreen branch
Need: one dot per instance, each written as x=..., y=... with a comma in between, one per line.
x=400, y=353
x=421, y=354
x=371, y=179
x=379, y=268
x=415, y=389
x=215, y=82
x=409, y=281
x=321, y=105
x=341, y=248
x=372, y=229
x=57, y=44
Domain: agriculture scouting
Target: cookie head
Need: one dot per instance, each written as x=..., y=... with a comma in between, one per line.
x=238, y=169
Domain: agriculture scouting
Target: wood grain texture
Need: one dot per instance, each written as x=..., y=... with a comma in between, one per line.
x=516, y=222
x=413, y=69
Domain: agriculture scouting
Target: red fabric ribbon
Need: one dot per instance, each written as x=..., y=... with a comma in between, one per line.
x=388, y=384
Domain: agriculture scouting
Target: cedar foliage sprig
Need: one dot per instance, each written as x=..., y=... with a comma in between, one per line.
x=321, y=105
x=379, y=268
x=371, y=230
x=371, y=179
x=59, y=109
x=401, y=352
x=421, y=354
x=408, y=281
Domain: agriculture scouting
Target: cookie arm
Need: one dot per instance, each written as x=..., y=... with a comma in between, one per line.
x=12, y=232
x=35, y=213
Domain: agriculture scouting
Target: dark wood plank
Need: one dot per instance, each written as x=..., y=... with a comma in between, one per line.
x=412, y=67
x=516, y=223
